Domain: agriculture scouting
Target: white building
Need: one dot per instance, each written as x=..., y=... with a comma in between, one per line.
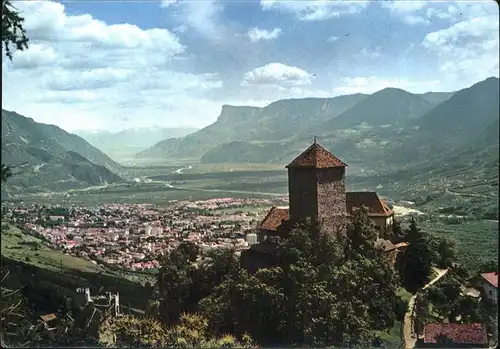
x=251, y=238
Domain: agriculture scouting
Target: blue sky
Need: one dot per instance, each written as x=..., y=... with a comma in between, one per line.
x=120, y=64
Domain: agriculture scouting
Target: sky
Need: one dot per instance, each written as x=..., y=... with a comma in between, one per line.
x=113, y=65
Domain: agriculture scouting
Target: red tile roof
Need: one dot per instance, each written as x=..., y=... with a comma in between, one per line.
x=369, y=200
x=492, y=278
x=459, y=333
x=316, y=157
x=274, y=218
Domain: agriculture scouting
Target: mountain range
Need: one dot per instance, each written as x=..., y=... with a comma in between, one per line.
x=387, y=130
x=126, y=143
x=47, y=157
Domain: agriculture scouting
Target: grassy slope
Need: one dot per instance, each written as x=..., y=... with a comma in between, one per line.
x=44, y=264
x=14, y=246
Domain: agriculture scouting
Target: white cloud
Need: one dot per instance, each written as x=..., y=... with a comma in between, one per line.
x=332, y=38
x=371, y=84
x=257, y=34
x=64, y=80
x=202, y=16
x=46, y=21
x=80, y=72
x=316, y=10
x=406, y=10
x=277, y=74
x=467, y=51
x=414, y=12
x=441, y=13
x=38, y=55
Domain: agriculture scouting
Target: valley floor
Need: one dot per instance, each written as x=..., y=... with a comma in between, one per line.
x=443, y=206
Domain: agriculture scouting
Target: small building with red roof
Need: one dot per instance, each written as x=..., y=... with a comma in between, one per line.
x=488, y=284
x=451, y=335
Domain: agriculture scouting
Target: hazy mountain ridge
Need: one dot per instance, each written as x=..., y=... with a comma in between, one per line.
x=47, y=157
x=436, y=97
x=18, y=129
x=389, y=128
x=134, y=138
x=389, y=106
x=278, y=120
x=456, y=123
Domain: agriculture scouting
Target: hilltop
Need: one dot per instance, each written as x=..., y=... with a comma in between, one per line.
x=275, y=122
x=381, y=132
x=47, y=157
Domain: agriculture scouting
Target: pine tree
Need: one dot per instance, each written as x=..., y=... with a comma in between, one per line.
x=415, y=263
x=13, y=32
x=398, y=235
x=361, y=236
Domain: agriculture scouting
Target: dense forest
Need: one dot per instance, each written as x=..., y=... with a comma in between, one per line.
x=323, y=291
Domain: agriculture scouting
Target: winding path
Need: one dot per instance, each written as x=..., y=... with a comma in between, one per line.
x=410, y=337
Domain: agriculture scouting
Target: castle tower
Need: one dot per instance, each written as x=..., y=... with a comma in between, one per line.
x=316, y=188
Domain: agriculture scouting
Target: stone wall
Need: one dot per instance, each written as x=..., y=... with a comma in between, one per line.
x=332, y=207
x=302, y=192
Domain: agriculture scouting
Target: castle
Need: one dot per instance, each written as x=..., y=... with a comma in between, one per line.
x=316, y=190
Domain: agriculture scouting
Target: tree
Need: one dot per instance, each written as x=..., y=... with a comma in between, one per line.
x=415, y=262
x=190, y=249
x=361, y=236
x=191, y=332
x=436, y=296
x=13, y=32
x=421, y=313
x=445, y=252
x=173, y=283
x=312, y=295
x=182, y=283
x=398, y=235
x=469, y=310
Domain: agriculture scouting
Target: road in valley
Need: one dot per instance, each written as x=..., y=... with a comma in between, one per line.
x=181, y=170
x=410, y=337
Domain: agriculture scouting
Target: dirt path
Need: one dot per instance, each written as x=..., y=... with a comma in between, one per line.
x=410, y=338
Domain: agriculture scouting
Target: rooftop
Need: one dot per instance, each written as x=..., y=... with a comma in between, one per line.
x=474, y=333
x=274, y=218
x=316, y=157
x=492, y=278
x=370, y=201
